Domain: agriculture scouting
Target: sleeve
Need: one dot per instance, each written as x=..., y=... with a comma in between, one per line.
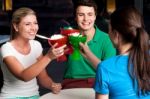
x=108, y=49
x=102, y=80
x=6, y=50
x=37, y=48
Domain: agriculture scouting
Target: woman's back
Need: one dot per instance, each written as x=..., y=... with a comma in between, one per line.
x=113, y=78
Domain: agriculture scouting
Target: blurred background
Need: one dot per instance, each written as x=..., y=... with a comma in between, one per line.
x=55, y=14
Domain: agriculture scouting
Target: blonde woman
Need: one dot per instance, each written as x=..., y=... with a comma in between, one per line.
x=22, y=60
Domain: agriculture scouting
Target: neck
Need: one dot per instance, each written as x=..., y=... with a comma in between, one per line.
x=89, y=33
x=22, y=46
x=125, y=49
x=20, y=42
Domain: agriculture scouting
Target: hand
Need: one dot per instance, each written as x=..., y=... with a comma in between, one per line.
x=56, y=87
x=84, y=49
x=54, y=52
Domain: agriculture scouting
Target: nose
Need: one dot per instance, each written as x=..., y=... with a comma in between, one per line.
x=34, y=27
x=85, y=17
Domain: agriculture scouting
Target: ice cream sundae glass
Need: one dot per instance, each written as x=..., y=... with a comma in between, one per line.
x=61, y=40
x=74, y=40
x=74, y=37
x=67, y=31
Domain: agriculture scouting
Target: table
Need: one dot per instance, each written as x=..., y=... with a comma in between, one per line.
x=74, y=93
x=4, y=38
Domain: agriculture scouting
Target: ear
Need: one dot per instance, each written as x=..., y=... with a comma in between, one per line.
x=119, y=39
x=117, y=36
x=95, y=17
x=15, y=26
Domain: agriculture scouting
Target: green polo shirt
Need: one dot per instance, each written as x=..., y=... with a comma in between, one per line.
x=101, y=46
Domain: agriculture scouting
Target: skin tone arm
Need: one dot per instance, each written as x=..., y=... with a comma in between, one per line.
x=101, y=96
x=48, y=83
x=95, y=61
x=26, y=74
x=89, y=55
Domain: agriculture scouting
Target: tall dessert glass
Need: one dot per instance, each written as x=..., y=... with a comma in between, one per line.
x=60, y=40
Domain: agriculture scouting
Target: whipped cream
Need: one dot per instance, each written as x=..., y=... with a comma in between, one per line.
x=56, y=36
x=74, y=34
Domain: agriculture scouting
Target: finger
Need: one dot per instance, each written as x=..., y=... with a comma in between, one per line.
x=60, y=52
x=54, y=46
x=55, y=84
x=81, y=44
x=64, y=46
x=82, y=53
x=60, y=49
x=56, y=92
x=58, y=85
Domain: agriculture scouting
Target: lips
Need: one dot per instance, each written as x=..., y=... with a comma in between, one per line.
x=32, y=33
x=86, y=23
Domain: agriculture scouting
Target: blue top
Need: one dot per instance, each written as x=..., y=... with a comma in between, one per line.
x=112, y=78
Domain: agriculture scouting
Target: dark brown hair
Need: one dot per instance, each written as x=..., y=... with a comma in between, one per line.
x=129, y=24
x=89, y=3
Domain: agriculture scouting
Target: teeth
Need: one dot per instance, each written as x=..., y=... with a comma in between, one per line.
x=85, y=23
x=31, y=33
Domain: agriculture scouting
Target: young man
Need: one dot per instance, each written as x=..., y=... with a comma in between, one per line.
x=81, y=73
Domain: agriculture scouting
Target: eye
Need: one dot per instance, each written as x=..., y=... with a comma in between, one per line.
x=90, y=14
x=27, y=24
x=36, y=23
x=80, y=14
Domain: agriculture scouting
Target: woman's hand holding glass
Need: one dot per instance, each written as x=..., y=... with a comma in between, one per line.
x=55, y=52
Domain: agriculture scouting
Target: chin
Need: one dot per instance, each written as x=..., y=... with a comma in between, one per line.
x=31, y=38
x=87, y=28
